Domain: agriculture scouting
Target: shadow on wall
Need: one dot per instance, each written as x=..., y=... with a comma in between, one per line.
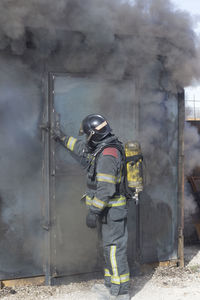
x=156, y=239
x=157, y=235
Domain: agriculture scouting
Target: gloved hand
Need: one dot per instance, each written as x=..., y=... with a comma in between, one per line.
x=57, y=134
x=91, y=219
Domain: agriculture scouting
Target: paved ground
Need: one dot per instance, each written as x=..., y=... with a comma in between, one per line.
x=169, y=283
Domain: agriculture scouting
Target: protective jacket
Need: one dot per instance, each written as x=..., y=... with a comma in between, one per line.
x=104, y=175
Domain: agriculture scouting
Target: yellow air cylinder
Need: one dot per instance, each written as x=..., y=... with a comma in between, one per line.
x=134, y=166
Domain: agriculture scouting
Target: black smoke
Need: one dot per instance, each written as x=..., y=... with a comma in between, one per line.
x=154, y=29
x=148, y=40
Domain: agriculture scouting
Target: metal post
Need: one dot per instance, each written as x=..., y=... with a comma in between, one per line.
x=181, y=122
x=138, y=206
x=50, y=185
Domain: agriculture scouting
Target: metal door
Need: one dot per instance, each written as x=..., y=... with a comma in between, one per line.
x=21, y=190
x=74, y=247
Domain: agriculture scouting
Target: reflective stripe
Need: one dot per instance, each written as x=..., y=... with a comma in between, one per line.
x=124, y=277
x=121, y=201
x=113, y=260
x=106, y=273
x=114, y=278
x=88, y=200
x=71, y=142
x=100, y=126
x=102, y=177
x=98, y=203
x=106, y=178
x=115, y=202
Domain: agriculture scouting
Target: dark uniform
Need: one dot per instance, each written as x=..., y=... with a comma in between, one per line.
x=103, y=198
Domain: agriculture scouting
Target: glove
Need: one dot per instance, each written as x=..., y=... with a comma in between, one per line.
x=57, y=134
x=91, y=219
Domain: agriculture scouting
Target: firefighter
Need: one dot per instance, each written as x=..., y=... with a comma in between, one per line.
x=101, y=156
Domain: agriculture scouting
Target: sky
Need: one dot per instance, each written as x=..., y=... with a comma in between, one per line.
x=193, y=6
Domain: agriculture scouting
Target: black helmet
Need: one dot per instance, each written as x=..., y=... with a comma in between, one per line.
x=95, y=127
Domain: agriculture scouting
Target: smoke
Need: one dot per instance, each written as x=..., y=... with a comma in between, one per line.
x=148, y=41
x=21, y=174
x=192, y=148
x=152, y=29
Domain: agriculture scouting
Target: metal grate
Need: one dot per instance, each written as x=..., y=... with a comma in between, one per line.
x=192, y=110
x=195, y=185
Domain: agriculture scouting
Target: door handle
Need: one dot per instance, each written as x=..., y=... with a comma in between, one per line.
x=45, y=126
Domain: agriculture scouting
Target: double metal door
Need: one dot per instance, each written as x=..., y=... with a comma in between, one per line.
x=74, y=249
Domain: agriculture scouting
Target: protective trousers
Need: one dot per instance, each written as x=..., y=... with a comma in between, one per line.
x=114, y=238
